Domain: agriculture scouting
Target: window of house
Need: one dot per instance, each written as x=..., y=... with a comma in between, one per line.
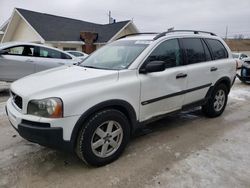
x=69, y=49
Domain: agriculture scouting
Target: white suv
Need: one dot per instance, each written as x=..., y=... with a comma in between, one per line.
x=93, y=109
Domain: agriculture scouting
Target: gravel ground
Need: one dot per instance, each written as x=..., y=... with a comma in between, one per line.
x=183, y=150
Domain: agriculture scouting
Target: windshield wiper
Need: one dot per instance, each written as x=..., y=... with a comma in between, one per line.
x=88, y=66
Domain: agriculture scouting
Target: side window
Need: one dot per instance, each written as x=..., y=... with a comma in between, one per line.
x=194, y=50
x=218, y=49
x=65, y=56
x=50, y=53
x=169, y=52
x=207, y=53
x=21, y=50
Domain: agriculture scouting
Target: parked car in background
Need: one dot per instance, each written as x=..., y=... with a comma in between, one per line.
x=245, y=71
x=21, y=59
x=239, y=58
x=78, y=54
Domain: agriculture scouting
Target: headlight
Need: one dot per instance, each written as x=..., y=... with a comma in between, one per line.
x=49, y=108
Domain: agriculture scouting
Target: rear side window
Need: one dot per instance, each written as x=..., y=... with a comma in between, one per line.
x=217, y=48
x=49, y=53
x=194, y=50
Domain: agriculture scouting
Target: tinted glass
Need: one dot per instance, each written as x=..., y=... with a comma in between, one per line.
x=194, y=50
x=49, y=53
x=169, y=52
x=21, y=50
x=207, y=53
x=218, y=50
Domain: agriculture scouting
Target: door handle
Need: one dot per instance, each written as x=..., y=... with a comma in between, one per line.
x=181, y=75
x=29, y=60
x=61, y=63
x=213, y=69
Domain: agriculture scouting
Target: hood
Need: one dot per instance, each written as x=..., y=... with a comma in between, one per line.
x=64, y=77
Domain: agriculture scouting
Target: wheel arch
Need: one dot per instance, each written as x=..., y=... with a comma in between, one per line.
x=224, y=80
x=121, y=105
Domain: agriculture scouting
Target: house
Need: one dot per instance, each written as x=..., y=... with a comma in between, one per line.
x=61, y=32
x=3, y=28
x=239, y=45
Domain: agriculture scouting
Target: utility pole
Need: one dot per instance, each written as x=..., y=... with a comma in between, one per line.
x=110, y=21
x=226, y=33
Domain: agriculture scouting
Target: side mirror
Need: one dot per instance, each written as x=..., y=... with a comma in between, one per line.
x=153, y=66
x=3, y=52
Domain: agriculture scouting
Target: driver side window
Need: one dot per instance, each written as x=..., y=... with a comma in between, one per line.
x=169, y=52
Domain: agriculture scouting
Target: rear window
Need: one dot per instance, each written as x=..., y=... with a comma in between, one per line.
x=217, y=48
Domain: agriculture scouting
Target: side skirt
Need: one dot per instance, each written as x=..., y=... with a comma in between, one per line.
x=185, y=107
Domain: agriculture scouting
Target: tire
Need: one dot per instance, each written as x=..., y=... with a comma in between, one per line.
x=217, y=102
x=103, y=137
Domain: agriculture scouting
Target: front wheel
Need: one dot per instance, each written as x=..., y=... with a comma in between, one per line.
x=217, y=103
x=103, y=137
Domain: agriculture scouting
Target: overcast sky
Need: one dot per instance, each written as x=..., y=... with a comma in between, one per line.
x=148, y=15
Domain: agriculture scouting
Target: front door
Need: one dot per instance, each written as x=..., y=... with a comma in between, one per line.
x=161, y=92
x=17, y=63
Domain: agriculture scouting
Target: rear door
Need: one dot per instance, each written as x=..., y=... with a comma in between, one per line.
x=199, y=69
x=17, y=62
x=221, y=65
x=48, y=58
x=161, y=92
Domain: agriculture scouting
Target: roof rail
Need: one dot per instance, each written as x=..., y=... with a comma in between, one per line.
x=132, y=34
x=172, y=31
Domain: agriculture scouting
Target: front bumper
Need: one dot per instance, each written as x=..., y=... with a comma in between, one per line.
x=33, y=130
x=245, y=79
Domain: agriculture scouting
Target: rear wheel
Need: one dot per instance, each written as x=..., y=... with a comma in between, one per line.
x=103, y=137
x=217, y=103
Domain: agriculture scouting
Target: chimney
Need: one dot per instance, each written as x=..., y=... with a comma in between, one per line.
x=89, y=38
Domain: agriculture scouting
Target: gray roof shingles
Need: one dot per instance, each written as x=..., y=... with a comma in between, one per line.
x=56, y=28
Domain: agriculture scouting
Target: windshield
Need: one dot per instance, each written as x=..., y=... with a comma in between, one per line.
x=116, y=56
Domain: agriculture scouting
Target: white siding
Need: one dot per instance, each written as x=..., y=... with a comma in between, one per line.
x=24, y=33
x=19, y=30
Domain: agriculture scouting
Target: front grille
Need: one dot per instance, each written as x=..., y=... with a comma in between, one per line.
x=17, y=100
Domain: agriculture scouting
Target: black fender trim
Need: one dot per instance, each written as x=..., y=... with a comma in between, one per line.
x=118, y=104
x=225, y=80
